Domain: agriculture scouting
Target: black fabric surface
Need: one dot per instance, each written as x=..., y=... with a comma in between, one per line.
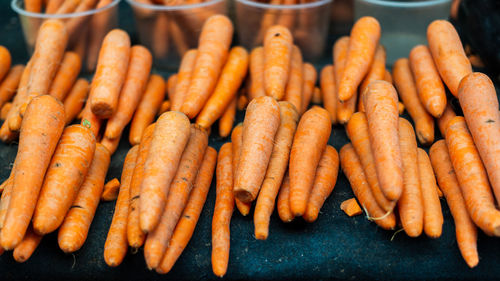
x=334, y=247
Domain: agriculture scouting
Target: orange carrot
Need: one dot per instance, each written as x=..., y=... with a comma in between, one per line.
x=171, y=85
x=99, y=24
x=66, y=75
x=5, y=61
x=283, y=204
x=147, y=108
x=388, y=77
x=351, y=207
x=53, y=6
x=8, y=87
x=75, y=24
x=110, y=189
x=170, y=136
x=25, y=249
x=224, y=205
x=115, y=246
x=277, y=53
x=110, y=73
x=403, y=80
x=164, y=107
x=183, y=79
x=214, y=42
x=73, y=231
x=381, y=105
x=6, y=195
x=261, y=122
x=256, y=65
x=295, y=84
x=36, y=146
x=4, y=112
x=328, y=91
x=340, y=50
x=310, y=77
x=447, y=115
x=226, y=121
x=375, y=72
x=76, y=98
x=160, y=39
x=242, y=102
x=363, y=42
x=237, y=139
x=309, y=142
x=178, y=36
x=317, y=96
x=448, y=53
x=90, y=120
x=111, y=144
x=67, y=7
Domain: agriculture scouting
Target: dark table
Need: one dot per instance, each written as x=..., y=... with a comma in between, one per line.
x=334, y=247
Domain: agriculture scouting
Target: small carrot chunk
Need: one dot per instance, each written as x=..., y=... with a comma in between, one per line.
x=111, y=189
x=351, y=207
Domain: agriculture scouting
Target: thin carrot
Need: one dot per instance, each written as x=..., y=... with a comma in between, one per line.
x=115, y=246
x=178, y=36
x=277, y=53
x=8, y=87
x=89, y=119
x=6, y=195
x=76, y=98
x=183, y=79
x=160, y=39
x=73, y=231
x=329, y=91
x=317, y=96
x=164, y=107
x=5, y=61
x=376, y=72
x=110, y=189
x=226, y=121
x=65, y=76
x=67, y=7
x=310, y=77
x=237, y=140
x=388, y=77
x=224, y=205
x=261, y=123
x=295, y=84
x=256, y=65
x=283, y=204
x=340, y=50
x=447, y=115
x=75, y=24
x=381, y=105
x=309, y=142
x=170, y=136
x=171, y=86
x=36, y=146
x=99, y=24
x=242, y=102
x=25, y=249
x=351, y=207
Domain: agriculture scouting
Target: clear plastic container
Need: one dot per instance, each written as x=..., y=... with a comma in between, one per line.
x=404, y=23
x=169, y=31
x=308, y=23
x=86, y=29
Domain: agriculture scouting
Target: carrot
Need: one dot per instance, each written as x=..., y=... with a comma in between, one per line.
x=328, y=91
x=429, y=85
x=268, y=19
x=479, y=103
x=230, y=80
x=4, y=112
x=276, y=169
x=351, y=207
x=8, y=87
x=115, y=246
x=187, y=223
x=447, y=115
x=466, y=231
x=90, y=120
x=178, y=195
x=223, y=210
x=76, y=98
x=214, y=42
x=177, y=34
x=388, y=77
x=5, y=61
x=237, y=139
x=357, y=131
x=73, y=231
x=283, y=204
x=111, y=145
x=110, y=189
x=53, y=6
x=345, y=109
x=25, y=249
x=472, y=177
x=160, y=39
x=170, y=136
x=375, y=72
x=405, y=84
x=317, y=96
x=110, y=73
x=448, y=53
x=261, y=123
x=256, y=65
x=310, y=77
x=135, y=236
x=164, y=107
x=67, y=7
x=67, y=170
x=242, y=102
x=381, y=105
x=171, y=86
x=34, y=6
x=36, y=146
x=353, y=170
x=65, y=76
x=363, y=42
x=99, y=26
x=326, y=177
x=226, y=121
x=183, y=79
x=309, y=142
x=295, y=84
x=147, y=108
x=277, y=53
x=6, y=195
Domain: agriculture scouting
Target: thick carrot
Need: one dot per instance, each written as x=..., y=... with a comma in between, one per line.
x=353, y=170
x=277, y=53
x=214, y=42
x=66, y=75
x=448, y=53
x=261, y=123
x=90, y=120
x=230, y=80
x=187, y=223
x=36, y=146
x=479, y=103
x=115, y=246
x=429, y=85
x=5, y=61
x=329, y=91
x=4, y=111
x=447, y=115
x=147, y=108
x=111, y=188
x=357, y=130
x=376, y=71
x=76, y=98
x=405, y=84
x=226, y=121
x=256, y=65
x=310, y=77
x=381, y=105
x=178, y=195
x=326, y=177
x=283, y=204
x=224, y=205
x=237, y=140
x=466, y=231
x=25, y=249
x=164, y=107
x=8, y=87
x=171, y=86
x=170, y=136
x=363, y=42
x=110, y=73
x=295, y=84
x=99, y=24
x=183, y=79
x=472, y=177
x=6, y=195
x=73, y=231
x=276, y=169
x=66, y=173
x=309, y=142
x=135, y=236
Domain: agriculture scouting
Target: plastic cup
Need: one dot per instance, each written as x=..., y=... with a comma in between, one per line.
x=308, y=23
x=169, y=31
x=86, y=29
